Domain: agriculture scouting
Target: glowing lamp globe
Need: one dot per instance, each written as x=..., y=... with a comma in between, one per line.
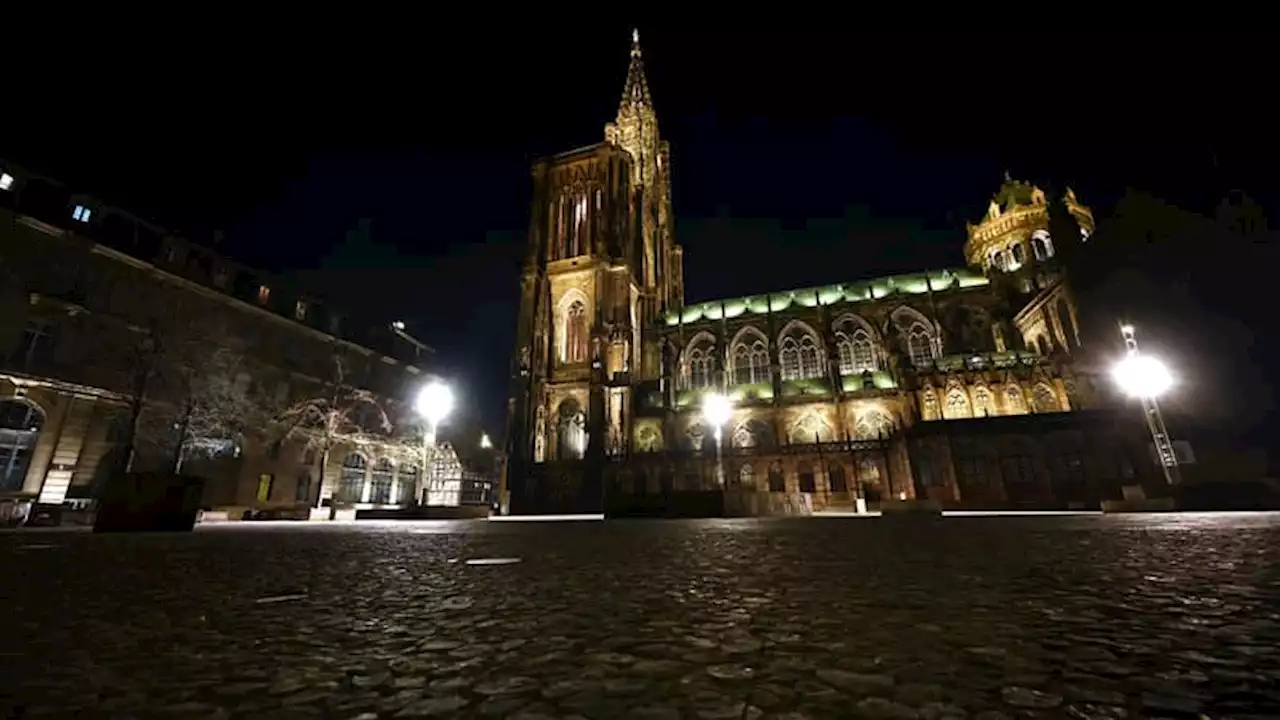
x=434, y=402
x=716, y=409
x=1142, y=376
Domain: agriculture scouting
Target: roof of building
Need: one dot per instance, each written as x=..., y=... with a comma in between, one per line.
x=858, y=291
x=1015, y=192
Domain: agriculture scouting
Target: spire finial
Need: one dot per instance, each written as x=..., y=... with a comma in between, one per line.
x=636, y=91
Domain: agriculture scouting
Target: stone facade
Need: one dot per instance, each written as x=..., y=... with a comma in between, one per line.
x=872, y=389
x=89, y=292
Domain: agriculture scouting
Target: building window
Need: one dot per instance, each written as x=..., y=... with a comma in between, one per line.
x=408, y=477
x=575, y=333
x=920, y=345
x=380, y=489
x=836, y=479
x=700, y=372
x=1041, y=245
x=747, y=477
x=800, y=360
x=1043, y=399
x=265, y=481
x=6, y=181
x=351, y=484
x=777, y=483
x=1013, y=400
x=38, y=341
x=221, y=277
x=750, y=363
x=957, y=404
x=807, y=482
x=300, y=310
x=81, y=213
x=264, y=294
x=20, y=424
x=982, y=405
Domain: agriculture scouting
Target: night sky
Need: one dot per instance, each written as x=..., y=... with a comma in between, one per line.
x=799, y=159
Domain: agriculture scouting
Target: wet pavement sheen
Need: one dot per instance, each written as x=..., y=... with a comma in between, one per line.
x=1081, y=617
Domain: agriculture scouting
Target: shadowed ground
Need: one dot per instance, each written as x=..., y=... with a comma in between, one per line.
x=1157, y=615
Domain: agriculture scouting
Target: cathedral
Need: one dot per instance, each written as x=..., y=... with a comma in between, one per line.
x=965, y=386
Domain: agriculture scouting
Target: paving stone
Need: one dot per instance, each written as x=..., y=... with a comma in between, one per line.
x=1093, y=617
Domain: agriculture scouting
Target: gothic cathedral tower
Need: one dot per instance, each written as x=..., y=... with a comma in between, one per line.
x=601, y=265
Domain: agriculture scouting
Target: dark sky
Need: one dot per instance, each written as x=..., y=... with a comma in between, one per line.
x=816, y=157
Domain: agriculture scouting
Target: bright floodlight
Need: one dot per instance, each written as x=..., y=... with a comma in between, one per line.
x=1142, y=376
x=716, y=408
x=434, y=402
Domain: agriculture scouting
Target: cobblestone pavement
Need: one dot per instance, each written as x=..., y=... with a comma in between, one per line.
x=1081, y=617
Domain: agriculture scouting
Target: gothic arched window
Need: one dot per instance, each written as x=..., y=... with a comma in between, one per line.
x=789, y=359
x=750, y=357
x=855, y=345
x=957, y=404
x=800, y=352
x=1014, y=403
x=982, y=405
x=700, y=363
x=575, y=332
x=747, y=477
x=1043, y=399
x=929, y=405
x=919, y=345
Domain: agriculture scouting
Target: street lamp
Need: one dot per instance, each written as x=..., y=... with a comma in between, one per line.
x=1147, y=378
x=434, y=403
x=716, y=409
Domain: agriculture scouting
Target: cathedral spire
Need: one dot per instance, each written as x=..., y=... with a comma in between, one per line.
x=635, y=93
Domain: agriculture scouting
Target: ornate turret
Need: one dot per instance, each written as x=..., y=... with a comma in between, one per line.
x=1015, y=232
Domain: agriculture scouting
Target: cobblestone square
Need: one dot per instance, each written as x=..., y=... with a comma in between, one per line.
x=1068, y=616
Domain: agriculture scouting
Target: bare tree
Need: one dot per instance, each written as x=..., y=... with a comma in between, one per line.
x=194, y=396
x=339, y=413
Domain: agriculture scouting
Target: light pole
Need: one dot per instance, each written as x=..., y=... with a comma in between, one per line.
x=716, y=409
x=1146, y=378
x=434, y=402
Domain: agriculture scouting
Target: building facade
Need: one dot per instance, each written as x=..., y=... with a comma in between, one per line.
x=966, y=385
x=109, y=323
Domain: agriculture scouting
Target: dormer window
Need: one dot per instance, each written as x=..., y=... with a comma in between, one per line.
x=264, y=294
x=6, y=181
x=81, y=213
x=300, y=310
x=221, y=276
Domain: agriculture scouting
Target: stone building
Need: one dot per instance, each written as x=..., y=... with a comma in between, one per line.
x=93, y=302
x=967, y=385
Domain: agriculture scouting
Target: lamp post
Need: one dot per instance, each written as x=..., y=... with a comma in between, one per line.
x=1146, y=378
x=716, y=409
x=434, y=403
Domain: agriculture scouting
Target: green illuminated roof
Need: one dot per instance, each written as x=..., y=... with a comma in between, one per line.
x=850, y=292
